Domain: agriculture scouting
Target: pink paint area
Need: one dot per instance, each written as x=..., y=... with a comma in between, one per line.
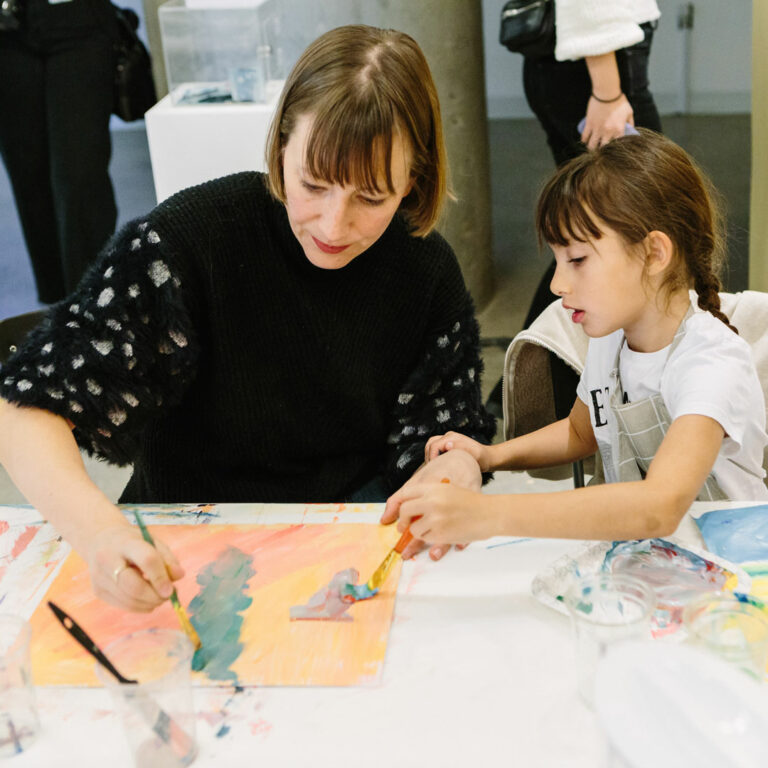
x=23, y=540
x=331, y=602
x=260, y=728
x=3, y=527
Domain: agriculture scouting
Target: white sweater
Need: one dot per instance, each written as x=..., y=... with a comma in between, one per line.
x=593, y=27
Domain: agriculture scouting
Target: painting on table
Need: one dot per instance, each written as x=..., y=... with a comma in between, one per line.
x=239, y=585
x=741, y=535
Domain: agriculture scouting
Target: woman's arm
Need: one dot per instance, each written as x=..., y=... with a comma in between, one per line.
x=643, y=509
x=40, y=454
x=608, y=109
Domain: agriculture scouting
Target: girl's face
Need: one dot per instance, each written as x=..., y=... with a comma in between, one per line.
x=603, y=285
x=335, y=223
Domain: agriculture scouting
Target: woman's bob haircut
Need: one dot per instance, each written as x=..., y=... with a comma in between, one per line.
x=361, y=85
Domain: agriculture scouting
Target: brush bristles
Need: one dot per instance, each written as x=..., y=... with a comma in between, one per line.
x=186, y=625
x=381, y=573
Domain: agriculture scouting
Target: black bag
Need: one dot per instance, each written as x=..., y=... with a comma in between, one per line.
x=528, y=27
x=10, y=15
x=134, y=86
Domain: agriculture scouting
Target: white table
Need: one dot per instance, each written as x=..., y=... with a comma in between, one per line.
x=478, y=673
x=192, y=143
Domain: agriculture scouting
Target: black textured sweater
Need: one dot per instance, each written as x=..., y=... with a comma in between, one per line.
x=207, y=350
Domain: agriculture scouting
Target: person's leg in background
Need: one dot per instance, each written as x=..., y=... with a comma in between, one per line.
x=79, y=92
x=24, y=149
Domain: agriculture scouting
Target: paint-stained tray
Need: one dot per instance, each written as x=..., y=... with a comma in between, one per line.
x=677, y=574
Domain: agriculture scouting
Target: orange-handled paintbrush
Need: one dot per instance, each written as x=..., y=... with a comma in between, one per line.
x=372, y=586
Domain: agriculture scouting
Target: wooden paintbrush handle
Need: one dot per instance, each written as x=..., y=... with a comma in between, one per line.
x=407, y=537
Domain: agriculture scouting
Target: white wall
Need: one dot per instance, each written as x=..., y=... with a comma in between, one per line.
x=720, y=60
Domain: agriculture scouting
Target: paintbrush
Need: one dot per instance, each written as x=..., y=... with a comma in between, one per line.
x=158, y=719
x=186, y=624
x=372, y=586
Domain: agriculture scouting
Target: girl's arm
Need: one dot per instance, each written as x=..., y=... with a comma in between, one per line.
x=39, y=452
x=635, y=510
x=561, y=442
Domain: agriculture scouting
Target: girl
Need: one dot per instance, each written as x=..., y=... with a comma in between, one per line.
x=669, y=394
x=291, y=337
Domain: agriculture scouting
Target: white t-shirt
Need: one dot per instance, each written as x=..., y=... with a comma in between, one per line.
x=710, y=373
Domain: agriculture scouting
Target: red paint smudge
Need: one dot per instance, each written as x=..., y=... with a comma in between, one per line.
x=3, y=527
x=260, y=728
x=23, y=540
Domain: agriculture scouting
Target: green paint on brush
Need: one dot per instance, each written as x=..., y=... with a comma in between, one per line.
x=216, y=613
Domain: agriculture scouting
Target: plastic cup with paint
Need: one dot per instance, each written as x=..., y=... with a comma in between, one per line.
x=19, y=723
x=157, y=713
x=735, y=630
x=606, y=609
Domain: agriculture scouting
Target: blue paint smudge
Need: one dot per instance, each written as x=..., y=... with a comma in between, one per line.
x=736, y=534
x=223, y=731
x=508, y=543
x=215, y=613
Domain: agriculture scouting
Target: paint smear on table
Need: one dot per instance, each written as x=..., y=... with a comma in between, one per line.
x=262, y=570
x=739, y=535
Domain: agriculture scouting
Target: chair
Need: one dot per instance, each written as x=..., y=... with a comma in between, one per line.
x=528, y=396
x=528, y=399
x=13, y=331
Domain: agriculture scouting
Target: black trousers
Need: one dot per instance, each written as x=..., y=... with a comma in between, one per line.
x=557, y=93
x=56, y=76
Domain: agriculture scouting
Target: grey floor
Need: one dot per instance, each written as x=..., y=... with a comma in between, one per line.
x=520, y=162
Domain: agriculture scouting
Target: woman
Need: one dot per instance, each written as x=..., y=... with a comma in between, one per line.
x=291, y=338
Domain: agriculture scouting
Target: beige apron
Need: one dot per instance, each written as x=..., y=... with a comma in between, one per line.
x=642, y=425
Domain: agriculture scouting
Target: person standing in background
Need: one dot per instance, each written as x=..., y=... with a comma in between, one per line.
x=599, y=71
x=56, y=95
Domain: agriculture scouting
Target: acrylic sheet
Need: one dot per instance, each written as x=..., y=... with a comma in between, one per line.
x=240, y=582
x=677, y=575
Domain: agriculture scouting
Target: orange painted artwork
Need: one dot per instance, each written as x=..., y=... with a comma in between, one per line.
x=240, y=583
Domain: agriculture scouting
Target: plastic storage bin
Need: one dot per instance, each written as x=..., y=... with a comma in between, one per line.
x=216, y=54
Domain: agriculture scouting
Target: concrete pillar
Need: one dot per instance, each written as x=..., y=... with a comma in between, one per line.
x=450, y=34
x=758, y=220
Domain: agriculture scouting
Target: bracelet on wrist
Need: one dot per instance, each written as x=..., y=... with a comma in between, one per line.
x=607, y=101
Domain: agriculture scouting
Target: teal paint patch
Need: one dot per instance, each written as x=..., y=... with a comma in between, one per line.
x=215, y=613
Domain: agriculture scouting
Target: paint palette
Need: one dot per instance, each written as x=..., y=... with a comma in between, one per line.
x=676, y=574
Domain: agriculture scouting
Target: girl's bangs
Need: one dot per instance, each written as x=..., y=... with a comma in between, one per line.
x=565, y=214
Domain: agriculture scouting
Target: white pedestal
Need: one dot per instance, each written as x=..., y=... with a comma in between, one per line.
x=189, y=144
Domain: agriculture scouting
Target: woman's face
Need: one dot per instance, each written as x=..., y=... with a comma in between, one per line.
x=335, y=223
